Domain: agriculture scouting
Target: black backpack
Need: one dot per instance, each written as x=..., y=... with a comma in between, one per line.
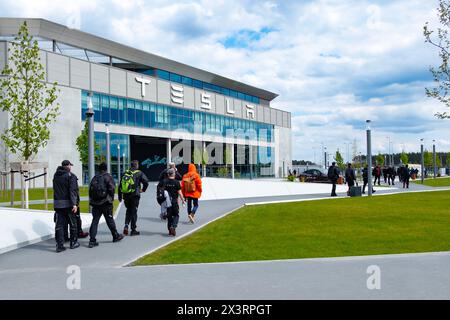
x=97, y=189
x=160, y=198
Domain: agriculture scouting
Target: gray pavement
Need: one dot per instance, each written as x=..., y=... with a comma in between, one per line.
x=37, y=272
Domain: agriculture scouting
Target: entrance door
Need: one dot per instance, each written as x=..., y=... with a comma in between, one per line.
x=151, y=154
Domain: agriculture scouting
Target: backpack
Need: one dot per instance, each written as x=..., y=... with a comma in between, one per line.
x=98, y=189
x=189, y=183
x=160, y=198
x=128, y=185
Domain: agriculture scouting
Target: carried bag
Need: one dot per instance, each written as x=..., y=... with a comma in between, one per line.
x=160, y=198
x=128, y=185
x=98, y=189
x=189, y=183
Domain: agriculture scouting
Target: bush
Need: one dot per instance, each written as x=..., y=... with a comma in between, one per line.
x=291, y=178
x=222, y=172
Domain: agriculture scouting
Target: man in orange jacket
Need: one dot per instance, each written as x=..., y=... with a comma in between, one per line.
x=191, y=186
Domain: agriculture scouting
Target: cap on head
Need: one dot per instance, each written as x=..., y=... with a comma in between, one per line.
x=103, y=166
x=66, y=163
x=171, y=164
x=333, y=163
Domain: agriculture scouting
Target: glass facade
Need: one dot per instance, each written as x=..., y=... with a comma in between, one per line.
x=136, y=113
x=170, y=76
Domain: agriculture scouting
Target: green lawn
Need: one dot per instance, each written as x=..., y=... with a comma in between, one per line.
x=401, y=223
x=36, y=194
x=438, y=182
x=84, y=206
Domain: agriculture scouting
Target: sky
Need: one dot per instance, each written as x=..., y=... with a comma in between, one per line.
x=333, y=63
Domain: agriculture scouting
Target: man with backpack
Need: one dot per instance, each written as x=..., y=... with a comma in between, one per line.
x=191, y=186
x=101, y=198
x=133, y=183
x=333, y=176
x=173, y=188
x=65, y=195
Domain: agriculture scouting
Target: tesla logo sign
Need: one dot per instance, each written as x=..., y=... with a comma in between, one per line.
x=177, y=94
x=250, y=111
x=143, y=82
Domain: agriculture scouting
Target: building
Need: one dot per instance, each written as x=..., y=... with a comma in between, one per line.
x=155, y=108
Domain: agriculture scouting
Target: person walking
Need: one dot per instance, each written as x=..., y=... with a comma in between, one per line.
x=191, y=186
x=365, y=175
x=333, y=176
x=173, y=188
x=377, y=174
x=101, y=197
x=132, y=184
x=350, y=177
x=405, y=177
x=65, y=199
x=391, y=176
x=164, y=175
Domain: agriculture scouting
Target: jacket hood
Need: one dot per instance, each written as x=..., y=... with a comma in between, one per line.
x=192, y=168
x=60, y=171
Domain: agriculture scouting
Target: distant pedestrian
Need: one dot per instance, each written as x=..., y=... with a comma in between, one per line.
x=65, y=199
x=333, y=176
x=406, y=175
x=173, y=188
x=365, y=175
x=101, y=198
x=377, y=174
x=350, y=177
x=191, y=186
x=133, y=183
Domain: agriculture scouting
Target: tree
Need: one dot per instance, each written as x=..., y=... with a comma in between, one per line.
x=404, y=158
x=427, y=159
x=447, y=160
x=28, y=100
x=440, y=40
x=380, y=159
x=339, y=160
x=82, y=143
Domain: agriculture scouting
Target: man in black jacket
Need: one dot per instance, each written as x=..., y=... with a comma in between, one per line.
x=333, y=175
x=350, y=177
x=101, y=198
x=65, y=195
x=81, y=234
x=131, y=199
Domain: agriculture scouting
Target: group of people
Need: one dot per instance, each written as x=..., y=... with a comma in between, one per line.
x=172, y=188
x=389, y=174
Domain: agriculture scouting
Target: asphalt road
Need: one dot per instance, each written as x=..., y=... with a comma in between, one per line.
x=37, y=272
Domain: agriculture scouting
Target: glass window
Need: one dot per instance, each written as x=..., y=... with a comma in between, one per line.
x=233, y=93
x=122, y=111
x=163, y=74
x=114, y=109
x=187, y=81
x=241, y=96
x=175, y=77
x=84, y=95
x=139, y=113
x=131, y=113
x=146, y=112
x=197, y=84
x=97, y=108
x=105, y=109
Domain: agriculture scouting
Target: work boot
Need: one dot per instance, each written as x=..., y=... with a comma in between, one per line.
x=118, y=238
x=172, y=231
x=60, y=248
x=93, y=244
x=125, y=230
x=134, y=233
x=74, y=245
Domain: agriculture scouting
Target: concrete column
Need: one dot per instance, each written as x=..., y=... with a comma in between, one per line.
x=434, y=161
x=91, y=142
x=168, y=150
x=232, y=160
x=108, y=149
x=118, y=162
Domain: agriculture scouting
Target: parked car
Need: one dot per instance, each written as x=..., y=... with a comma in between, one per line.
x=313, y=175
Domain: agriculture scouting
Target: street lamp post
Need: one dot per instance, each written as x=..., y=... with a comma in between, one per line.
x=325, y=158
x=421, y=160
x=91, y=142
x=434, y=160
x=118, y=163
x=369, y=158
x=108, y=150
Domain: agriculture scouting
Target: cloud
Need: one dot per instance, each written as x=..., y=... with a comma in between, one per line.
x=333, y=63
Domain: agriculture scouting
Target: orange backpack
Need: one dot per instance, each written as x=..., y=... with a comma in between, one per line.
x=189, y=183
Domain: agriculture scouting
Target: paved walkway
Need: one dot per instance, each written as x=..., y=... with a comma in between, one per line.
x=37, y=272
